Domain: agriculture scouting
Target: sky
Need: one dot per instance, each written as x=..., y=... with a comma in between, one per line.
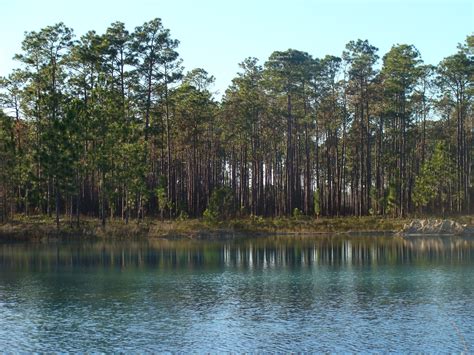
x=218, y=34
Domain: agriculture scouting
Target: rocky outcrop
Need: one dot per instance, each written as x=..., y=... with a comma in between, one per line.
x=434, y=227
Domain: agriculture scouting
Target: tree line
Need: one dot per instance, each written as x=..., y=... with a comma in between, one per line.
x=110, y=125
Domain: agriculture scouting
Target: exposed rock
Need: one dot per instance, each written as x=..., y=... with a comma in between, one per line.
x=434, y=227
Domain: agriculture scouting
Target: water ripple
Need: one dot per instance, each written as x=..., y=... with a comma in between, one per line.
x=270, y=294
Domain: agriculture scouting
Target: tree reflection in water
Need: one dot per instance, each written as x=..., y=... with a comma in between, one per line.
x=241, y=252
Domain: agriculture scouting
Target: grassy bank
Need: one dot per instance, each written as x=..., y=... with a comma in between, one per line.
x=39, y=227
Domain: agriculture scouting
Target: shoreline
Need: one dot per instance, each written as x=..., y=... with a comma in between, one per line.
x=37, y=228
x=40, y=227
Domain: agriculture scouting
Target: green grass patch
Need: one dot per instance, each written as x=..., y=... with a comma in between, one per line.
x=40, y=226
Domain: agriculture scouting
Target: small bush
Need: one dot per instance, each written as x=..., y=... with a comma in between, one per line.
x=297, y=213
x=183, y=216
x=257, y=219
x=210, y=216
x=221, y=205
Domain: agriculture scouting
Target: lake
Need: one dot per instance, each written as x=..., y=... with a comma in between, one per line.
x=276, y=293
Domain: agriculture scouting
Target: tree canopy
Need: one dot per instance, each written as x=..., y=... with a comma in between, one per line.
x=110, y=125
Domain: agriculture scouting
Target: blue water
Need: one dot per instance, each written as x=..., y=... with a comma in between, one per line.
x=281, y=293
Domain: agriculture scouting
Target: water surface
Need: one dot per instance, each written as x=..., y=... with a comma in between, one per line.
x=281, y=293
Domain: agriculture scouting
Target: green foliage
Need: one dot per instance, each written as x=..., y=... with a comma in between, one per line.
x=361, y=56
x=109, y=125
x=163, y=201
x=257, y=219
x=401, y=68
x=286, y=70
x=435, y=180
x=221, y=205
x=391, y=204
x=316, y=203
x=210, y=216
x=183, y=216
x=374, y=199
x=8, y=159
x=297, y=213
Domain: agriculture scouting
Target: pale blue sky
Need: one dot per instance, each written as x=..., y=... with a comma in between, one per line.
x=217, y=34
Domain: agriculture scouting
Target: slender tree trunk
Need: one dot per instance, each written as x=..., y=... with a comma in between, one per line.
x=57, y=199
